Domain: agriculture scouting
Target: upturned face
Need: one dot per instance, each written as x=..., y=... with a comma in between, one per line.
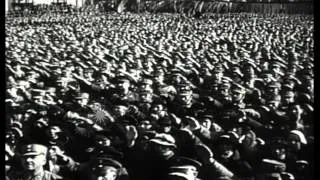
x=105, y=173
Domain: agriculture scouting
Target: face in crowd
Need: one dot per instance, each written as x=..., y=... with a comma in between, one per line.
x=278, y=152
x=105, y=173
x=120, y=110
x=34, y=162
x=123, y=86
x=53, y=132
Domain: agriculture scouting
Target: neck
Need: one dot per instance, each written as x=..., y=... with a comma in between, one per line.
x=35, y=172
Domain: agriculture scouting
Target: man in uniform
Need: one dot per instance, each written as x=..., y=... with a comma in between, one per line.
x=186, y=102
x=34, y=157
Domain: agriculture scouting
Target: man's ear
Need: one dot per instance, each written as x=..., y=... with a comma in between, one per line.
x=44, y=159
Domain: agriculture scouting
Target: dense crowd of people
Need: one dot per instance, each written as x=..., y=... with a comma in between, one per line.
x=159, y=97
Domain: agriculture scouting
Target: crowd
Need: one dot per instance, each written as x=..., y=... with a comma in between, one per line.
x=159, y=97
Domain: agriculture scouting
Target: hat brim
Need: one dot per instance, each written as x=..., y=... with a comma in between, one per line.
x=157, y=141
x=32, y=154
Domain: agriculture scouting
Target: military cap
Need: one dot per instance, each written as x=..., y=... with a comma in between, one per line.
x=308, y=64
x=147, y=81
x=100, y=163
x=146, y=91
x=230, y=138
x=287, y=176
x=218, y=69
x=288, y=84
x=178, y=176
x=288, y=94
x=164, y=140
x=16, y=124
x=298, y=135
x=275, y=98
x=177, y=72
x=225, y=85
x=18, y=132
x=248, y=62
x=184, y=86
x=83, y=96
x=204, y=115
x=278, y=64
x=33, y=149
x=238, y=88
x=302, y=162
x=270, y=166
x=274, y=84
x=124, y=78
x=31, y=72
x=38, y=93
x=185, y=162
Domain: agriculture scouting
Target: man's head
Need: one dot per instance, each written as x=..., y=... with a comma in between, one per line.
x=144, y=125
x=206, y=121
x=274, y=102
x=105, y=168
x=238, y=93
x=53, y=132
x=163, y=144
x=273, y=88
x=33, y=156
x=224, y=90
x=227, y=145
x=165, y=124
x=217, y=74
x=184, y=94
x=187, y=166
x=296, y=139
x=101, y=140
x=120, y=109
x=288, y=97
x=82, y=99
x=123, y=84
x=146, y=96
x=278, y=150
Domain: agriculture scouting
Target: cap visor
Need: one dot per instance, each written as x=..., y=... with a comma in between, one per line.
x=162, y=143
x=31, y=154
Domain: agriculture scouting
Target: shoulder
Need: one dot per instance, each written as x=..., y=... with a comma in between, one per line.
x=17, y=175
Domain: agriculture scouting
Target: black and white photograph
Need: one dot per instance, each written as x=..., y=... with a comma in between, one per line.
x=159, y=89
